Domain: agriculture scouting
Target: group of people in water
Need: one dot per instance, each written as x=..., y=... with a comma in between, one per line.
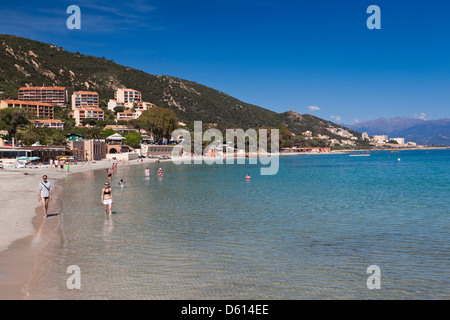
x=107, y=197
x=147, y=172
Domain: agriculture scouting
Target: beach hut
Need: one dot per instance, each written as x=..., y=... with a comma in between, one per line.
x=115, y=143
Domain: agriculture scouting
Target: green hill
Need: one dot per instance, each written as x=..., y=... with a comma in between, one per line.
x=25, y=62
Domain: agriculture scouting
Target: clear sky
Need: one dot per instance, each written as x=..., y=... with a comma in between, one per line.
x=315, y=56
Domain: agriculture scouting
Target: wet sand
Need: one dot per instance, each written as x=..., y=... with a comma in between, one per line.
x=24, y=233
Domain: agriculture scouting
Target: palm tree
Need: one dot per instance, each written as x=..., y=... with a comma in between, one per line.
x=30, y=134
x=11, y=118
x=58, y=139
x=94, y=133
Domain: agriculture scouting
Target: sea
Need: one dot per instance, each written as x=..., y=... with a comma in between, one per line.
x=329, y=226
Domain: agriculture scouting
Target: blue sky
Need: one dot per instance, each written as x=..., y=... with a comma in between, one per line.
x=314, y=57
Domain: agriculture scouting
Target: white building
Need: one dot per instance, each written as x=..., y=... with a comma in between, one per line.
x=399, y=140
x=380, y=138
x=50, y=123
x=114, y=103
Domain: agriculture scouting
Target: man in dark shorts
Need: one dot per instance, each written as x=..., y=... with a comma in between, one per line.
x=45, y=193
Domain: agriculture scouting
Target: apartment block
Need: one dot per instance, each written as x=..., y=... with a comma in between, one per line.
x=127, y=95
x=40, y=110
x=89, y=112
x=50, y=123
x=84, y=98
x=51, y=95
x=127, y=115
x=143, y=106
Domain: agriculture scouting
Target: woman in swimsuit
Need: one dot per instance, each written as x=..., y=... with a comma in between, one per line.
x=107, y=198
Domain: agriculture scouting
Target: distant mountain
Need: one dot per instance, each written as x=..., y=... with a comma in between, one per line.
x=25, y=62
x=424, y=132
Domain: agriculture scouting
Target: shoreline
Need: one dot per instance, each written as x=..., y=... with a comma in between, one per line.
x=24, y=232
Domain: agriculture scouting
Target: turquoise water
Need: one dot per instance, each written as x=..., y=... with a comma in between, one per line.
x=309, y=232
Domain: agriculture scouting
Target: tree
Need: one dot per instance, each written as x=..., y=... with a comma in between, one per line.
x=161, y=122
x=30, y=134
x=11, y=118
x=119, y=109
x=136, y=124
x=58, y=138
x=94, y=133
x=133, y=139
x=108, y=132
x=89, y=122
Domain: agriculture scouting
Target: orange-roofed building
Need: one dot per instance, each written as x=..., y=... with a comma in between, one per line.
x=41, y=110
x=52, y=95
x=88, y=112
x=84, y=98
x=127, y=95
x=127, y=115
x=50, y=123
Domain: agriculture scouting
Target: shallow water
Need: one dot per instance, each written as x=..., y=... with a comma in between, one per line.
x=309, y=232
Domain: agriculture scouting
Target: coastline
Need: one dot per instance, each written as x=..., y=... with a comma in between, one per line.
x=24, y=233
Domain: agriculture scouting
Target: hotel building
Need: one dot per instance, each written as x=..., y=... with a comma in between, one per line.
x=41, y=110
x=51, y=95
x=84, y=98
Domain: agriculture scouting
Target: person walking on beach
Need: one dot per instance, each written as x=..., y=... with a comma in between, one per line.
x=107, y=198
x=67, y=166
x=45, y=194
x=56, y=164
x=108, y=174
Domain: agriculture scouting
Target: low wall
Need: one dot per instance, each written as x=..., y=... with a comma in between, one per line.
x=122, y=156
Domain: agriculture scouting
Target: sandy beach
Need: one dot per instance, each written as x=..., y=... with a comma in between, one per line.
x=24, y=232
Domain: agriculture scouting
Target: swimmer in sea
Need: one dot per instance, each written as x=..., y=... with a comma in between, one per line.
x=122, y=183
x=160, y=172
x=147, y=172
x=248, y=177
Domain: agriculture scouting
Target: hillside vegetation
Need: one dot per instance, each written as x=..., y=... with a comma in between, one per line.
x=25, y=62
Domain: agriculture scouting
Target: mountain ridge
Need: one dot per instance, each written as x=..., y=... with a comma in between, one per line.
x=425, y=132
x=26, y=62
